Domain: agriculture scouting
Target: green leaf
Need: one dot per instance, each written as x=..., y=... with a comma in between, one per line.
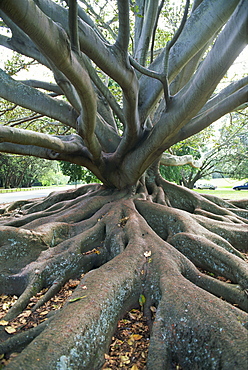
x=142, y=300
x=76, y=299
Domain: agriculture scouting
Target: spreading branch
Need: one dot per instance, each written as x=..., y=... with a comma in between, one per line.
x=73, y=25
x=17, y=93
x=67, y=144
x=174, y=160
x=122, y=41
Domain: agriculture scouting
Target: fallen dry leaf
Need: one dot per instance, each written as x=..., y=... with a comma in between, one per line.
x=136, y=336
x=43, y=313
x=125, y=359
x=134, y=367
x=3, y=322
x=26, y=313
x=10, y=329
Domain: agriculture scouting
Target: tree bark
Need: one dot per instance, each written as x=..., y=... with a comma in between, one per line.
x=149, y=240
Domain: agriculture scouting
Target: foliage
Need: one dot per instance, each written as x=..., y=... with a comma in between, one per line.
x=234, y=146
x=22, y=171
x=172, y=173
x=223, y=148
x=53, y=176
x=17, y=63
x=77, y=173
x=113, y=89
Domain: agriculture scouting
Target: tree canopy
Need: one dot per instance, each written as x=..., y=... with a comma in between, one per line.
x=125, y=90
x=186, y=71
x=216, y=151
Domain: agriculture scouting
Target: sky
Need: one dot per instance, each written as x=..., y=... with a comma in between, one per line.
x=237, y=69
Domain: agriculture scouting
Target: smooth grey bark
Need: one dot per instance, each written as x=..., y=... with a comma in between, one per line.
x=136, y=233
x=149, y=241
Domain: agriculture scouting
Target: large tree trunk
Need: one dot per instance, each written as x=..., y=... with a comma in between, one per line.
x=151, y=240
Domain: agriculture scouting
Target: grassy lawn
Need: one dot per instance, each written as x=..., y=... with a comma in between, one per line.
x=225, y=189
x=225, y=193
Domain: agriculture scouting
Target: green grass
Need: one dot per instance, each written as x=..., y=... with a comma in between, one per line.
x=225, y=193
x=225, y=188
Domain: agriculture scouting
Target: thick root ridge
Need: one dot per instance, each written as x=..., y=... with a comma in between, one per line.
x=184, y=332
x=209, y=206
x=151, y=243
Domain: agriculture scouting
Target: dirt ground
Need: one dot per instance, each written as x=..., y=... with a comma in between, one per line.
x=130, y=342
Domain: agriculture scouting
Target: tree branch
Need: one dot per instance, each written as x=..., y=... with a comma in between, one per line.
x=189, y=101
x=224, y=93
x=211, y=115
x=116, y=68
x=21, y=43
x=154, y=29
x=48, y=86
x=105, y=91
x=73, y=25
x=194, y=126
x=230, y=42
x=85, y=17
x=122, y=41
x=149, y=17
x=68, y=89
x=174, y=160
x=45, y=33
x=144, y=70
x=194, y=37
x=63, y=144
x=167, y=53
x=18, y=93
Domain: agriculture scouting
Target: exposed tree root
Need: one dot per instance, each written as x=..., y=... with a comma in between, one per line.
x=147, y=241
x=21, y=340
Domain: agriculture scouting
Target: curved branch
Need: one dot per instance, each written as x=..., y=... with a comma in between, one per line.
x=18, y=93
x=21, y=43
x=149, y=17
x=65, y=144
x=167, y=53
x=122, y=41
x=194, y=37
x=46, y=33
x=73, y=25
x=82, y=157
x=29, y=150
x=177, y=33
x=174, y=160
x=154, y=29
x=203, y=120
x=48, y=86
x=144, y=70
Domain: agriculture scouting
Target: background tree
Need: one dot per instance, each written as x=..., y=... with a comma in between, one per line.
x=20, y=171
x=77, y=173
x=221, y=152
x=135, y=234
x=235, y=146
